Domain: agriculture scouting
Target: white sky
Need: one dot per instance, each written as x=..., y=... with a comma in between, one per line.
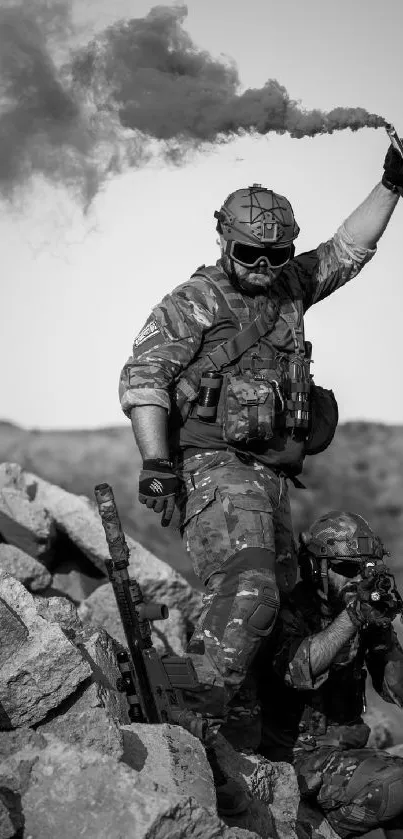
x=75, y=292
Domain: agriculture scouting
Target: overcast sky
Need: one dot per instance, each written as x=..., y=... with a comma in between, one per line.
x=76, y=290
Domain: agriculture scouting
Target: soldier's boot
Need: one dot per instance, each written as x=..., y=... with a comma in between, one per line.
x=231, y=799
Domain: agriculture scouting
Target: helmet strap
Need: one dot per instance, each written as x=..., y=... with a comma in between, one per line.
x=324, y=575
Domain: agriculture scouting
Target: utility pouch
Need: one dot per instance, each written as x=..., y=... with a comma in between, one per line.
x=249, y=408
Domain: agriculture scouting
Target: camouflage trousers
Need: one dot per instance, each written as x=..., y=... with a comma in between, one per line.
x=358, y=790
x=238, y=532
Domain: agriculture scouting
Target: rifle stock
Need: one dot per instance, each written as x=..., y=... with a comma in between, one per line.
x=153, y=684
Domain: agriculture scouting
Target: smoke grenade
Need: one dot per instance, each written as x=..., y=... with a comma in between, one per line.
x=138, y=81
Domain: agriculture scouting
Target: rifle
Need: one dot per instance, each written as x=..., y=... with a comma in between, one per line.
x=383, y=590
x=153, y=684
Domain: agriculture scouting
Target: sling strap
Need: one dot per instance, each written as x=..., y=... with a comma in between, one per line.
x=230, y=350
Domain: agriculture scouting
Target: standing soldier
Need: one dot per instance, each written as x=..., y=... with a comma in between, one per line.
x=334, y=626
x=223, y=410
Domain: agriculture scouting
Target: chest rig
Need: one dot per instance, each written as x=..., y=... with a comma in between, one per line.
x=263, y=365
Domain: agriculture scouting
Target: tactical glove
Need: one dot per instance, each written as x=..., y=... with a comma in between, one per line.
x=393, y=166
x=158, y=486
x=364, y=610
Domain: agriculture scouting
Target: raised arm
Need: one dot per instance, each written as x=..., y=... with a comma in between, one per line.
x=333, y=263
x=366, y=224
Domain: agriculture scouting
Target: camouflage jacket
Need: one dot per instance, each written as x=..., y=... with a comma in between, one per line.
x=193, y=318
x=301, y=711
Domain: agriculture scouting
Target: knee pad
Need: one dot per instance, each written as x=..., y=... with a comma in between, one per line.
x=247, y=592
x=254, y=568
x=378, y=782
x=264, y=610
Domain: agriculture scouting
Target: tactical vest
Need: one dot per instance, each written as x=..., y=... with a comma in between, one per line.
x=253, y=393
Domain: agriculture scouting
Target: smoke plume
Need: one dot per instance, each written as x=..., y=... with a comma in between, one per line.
x=139, y=80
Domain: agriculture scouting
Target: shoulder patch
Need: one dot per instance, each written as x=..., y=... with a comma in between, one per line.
x=148, y=331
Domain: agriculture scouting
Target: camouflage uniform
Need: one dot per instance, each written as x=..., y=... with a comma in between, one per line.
x=235, y=508
x=316, y=723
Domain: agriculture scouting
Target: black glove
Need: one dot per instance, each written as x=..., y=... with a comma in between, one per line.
x=158, y=486
x=393, y=166
x=363, y=610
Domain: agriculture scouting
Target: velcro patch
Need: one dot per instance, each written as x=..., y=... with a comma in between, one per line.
x=148, y=331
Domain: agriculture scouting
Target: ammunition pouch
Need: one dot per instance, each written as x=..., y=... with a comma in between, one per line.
x=297, y=389
x=248, y=408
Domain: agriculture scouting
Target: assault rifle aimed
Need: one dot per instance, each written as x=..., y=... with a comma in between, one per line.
x=383, y=590
x=153, y=684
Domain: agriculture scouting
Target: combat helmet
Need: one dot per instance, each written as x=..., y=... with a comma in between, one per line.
x=337, y=538
x=257, y=217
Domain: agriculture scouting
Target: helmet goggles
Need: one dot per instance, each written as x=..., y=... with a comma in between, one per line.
x=249, y=256
x=351, y=567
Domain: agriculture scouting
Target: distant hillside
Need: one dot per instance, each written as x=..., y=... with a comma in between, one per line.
x=361, y=471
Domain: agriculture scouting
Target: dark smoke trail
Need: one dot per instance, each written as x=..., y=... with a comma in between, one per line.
x=40, y=128
x=164, y=86
x=139, y=80
x=46, y=127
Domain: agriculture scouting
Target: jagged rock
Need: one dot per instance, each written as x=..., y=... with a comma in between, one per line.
x=15, y=775
x=14, y=633
x=69, y=792
x=171, y=757
x=91, y=716
x=77, y=517
x=25, y=524
x=31, y=573
x=83, y=720
x=100, y=609
x=11, y=781
x=13, y=475
x=39, y=671
x=11, y=818
x=62, y=611
x=99, y=650
x=20, y=738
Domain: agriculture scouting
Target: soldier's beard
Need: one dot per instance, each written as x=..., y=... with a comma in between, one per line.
x=251, y=282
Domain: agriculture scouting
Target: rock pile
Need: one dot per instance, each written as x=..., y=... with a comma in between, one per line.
x=71, y=763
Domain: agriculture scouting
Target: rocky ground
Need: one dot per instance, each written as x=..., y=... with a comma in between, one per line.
x=71, y=762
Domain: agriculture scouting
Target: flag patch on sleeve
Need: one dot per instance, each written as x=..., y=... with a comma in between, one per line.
x=150, y=330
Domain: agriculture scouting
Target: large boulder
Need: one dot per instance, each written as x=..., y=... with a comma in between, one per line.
x=40, y=667
x=63, y=791
x=24, y=522
x=31, y=573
